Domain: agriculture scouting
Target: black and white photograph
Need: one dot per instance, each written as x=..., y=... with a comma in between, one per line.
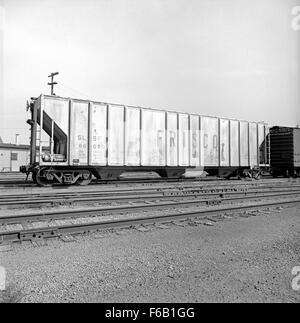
x=149, y=154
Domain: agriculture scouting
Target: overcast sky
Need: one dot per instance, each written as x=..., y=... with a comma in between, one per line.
x=231, y=58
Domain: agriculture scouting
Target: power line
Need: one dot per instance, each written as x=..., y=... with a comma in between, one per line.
x=75, y=91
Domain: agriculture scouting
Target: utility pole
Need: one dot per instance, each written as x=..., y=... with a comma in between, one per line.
x=52, y=83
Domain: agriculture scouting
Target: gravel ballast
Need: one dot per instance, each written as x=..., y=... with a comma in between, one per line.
x=245, y=259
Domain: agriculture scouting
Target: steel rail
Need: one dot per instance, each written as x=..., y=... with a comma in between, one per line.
x=134, y=197
x=123, y=181
x=139, y=180
x=63, y=214
x=192, y=188
x=46, y=232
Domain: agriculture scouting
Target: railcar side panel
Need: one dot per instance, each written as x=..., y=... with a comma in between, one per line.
x=42, y=137
x=267, y=145
x=183, y=136
x=234, y=143
x=285, y=151
x=210, y=133
x=98, y=146
x=53, y=114
x=35, y=144
x=58, y=111
x=79, y=133
x=115, y=135
x=297, y=147
x=194, y=141
x=153, y=137
x=224, y=142
x=253, y=144
x=172, y=139
x=132, y=136
x=244, y=143
x=261, y=143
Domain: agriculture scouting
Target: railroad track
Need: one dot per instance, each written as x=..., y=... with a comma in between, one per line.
x=145, y=185
x=137, y=194
x=20, y=181
x=40, y=225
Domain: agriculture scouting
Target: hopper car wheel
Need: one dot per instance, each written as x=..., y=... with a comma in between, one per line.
x=42, y=181
x=86, y=180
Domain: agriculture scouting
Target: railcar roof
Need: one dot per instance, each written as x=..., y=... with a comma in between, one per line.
x=154, y=109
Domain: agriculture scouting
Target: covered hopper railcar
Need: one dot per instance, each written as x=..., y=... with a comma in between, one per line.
x=72, y=139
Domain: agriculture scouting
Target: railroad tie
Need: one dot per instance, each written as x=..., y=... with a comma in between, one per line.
x=179, y=223
x=141, y=228
x=38, y=242
x=6, y=247
x=211, y=219
x=98, y=236
x=208, y=223
x=197, y=221
x=275, y=210
x=67, y=238
x=161, y=226
x=120, y=232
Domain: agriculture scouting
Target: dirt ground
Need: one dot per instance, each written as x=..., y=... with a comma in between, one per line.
x=235, y=260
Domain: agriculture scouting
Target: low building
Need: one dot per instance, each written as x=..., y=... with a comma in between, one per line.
x=13, y=156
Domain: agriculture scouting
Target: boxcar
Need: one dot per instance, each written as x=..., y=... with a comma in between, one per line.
x=72, y=139
x=285, y=151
